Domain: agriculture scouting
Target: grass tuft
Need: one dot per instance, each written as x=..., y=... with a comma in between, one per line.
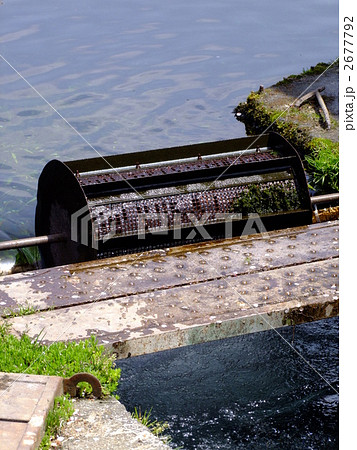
x=62, y=410
x=156, y=427
x=26, y=355
x=323, y=165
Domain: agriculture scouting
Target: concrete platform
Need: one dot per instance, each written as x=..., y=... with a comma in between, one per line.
x=168, y=298
x=106, y=425
x=25, y=401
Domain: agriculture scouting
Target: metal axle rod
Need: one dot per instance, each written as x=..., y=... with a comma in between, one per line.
x=61, y=237
x=32, y=241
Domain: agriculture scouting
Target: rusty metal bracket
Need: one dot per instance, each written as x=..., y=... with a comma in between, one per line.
x=70, y=384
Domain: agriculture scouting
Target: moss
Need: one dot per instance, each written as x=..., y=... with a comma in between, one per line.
x=265, y=200
x=320, y=156
x=318, y=69
x=258, y=118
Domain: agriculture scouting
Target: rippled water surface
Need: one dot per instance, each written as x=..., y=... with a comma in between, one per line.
x=249, y=392
x=137, y=75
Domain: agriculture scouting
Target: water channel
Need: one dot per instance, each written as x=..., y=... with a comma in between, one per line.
x=139, y=75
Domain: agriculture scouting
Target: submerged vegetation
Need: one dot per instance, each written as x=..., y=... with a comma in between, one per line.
x=265, y=200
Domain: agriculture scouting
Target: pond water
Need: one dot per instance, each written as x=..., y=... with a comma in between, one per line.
x=141, y=75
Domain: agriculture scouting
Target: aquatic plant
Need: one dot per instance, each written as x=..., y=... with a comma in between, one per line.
x=265, y=200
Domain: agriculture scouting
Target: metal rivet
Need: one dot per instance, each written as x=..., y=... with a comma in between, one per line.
x=226, y=258
x=291, y=246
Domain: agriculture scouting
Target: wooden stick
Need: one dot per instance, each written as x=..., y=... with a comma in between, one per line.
x=324, y=109
x=305, y=97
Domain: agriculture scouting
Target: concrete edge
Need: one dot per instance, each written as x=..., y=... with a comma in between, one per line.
x=35, y=429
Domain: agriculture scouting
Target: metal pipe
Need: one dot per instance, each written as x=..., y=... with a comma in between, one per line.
x=324, y=198
x=32, y=241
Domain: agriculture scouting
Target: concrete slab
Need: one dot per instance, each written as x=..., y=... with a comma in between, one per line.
x=123, y=276
x=25, y=401
x=106, y=425
x=147, y=303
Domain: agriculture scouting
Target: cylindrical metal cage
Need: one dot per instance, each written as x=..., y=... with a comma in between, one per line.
x=144, y=200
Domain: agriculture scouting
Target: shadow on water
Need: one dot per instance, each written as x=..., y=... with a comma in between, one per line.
x=248, y=392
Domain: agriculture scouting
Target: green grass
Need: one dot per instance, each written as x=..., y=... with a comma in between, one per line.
x=26, y=355
x=156, y=427
x=323, y=165
x=25, y=310
x=62, y=410
x=64, y=359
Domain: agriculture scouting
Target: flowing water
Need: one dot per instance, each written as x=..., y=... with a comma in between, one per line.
x=248, y=392
x=139, y=75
